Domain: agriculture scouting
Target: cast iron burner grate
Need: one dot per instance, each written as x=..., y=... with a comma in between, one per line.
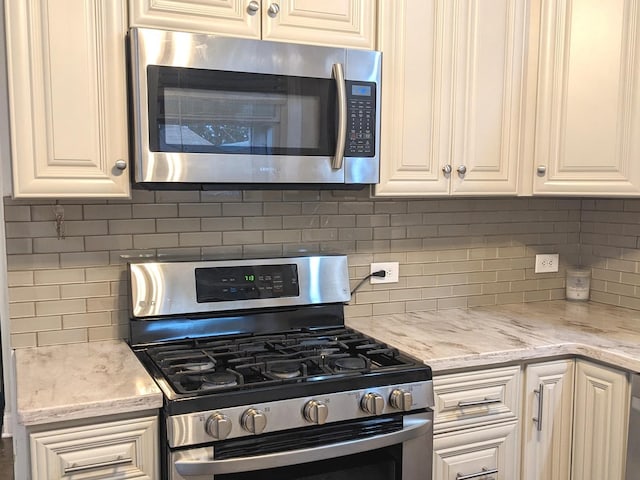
x=200, y=366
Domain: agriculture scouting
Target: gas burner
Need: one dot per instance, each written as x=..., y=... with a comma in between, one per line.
x=199, y=366
x=209, y=381
x=350, y=363
x=284, y=370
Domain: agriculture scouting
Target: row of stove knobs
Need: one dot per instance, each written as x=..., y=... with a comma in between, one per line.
x=254, y=421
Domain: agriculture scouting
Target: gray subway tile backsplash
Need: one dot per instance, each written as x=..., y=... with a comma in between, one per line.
x=452, y=252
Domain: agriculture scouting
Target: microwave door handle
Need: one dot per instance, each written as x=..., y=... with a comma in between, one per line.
x=341, y=140
x=191, y=465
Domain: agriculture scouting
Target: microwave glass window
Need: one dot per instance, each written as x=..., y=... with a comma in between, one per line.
x=206, y=111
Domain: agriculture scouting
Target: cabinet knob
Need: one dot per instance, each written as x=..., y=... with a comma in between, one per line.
x=542, y=169
x=274, y=9
x=462, y=170
x=253, y=7
x=121, y=165
x=446, y=169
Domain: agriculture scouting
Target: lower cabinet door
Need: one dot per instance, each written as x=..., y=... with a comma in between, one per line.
x=482, y=453
x=121, y=449
x=547, y=421
x=600, y=422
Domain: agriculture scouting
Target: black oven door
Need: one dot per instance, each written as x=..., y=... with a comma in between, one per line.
x=404, y=454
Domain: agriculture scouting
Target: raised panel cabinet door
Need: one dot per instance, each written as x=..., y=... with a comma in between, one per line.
x=414, y=149
x=124, y=449
x=452, y=96
x=67, y=97
x=588, y=111
x=238, y=18
x=600, y=422
x=341, y=23
x=547, y=421
x=487, y=73
x=484, y=453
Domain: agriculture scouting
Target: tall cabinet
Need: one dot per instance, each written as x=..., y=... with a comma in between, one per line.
x=67, y=97
x=452, y=96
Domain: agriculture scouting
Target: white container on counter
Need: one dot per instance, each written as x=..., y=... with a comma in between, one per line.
x=578, y=283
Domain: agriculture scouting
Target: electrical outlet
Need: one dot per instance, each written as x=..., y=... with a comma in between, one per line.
x=391, y=268
x=547, y=263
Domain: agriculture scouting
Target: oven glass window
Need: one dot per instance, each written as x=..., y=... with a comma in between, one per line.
x=382, y=464
x=208, y=111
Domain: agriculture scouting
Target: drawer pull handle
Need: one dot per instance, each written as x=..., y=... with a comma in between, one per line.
x=483, y=473
x=538, y=419
x=477, y=403
x=75, y=467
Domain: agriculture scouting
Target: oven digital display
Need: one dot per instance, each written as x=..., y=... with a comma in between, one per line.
x=224, y=284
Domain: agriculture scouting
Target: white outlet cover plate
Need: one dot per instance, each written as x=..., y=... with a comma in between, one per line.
x=547, y=263
x=392, y=269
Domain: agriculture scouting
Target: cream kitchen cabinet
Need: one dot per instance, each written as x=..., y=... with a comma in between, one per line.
x=548, y=420
x=600, y=422
x=476, y=424
x=124, y=449
x=588, y=98
x=452, y=96
x=67, y=97
x=343, y=23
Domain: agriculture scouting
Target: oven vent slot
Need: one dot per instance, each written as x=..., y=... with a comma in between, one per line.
x=312, y=437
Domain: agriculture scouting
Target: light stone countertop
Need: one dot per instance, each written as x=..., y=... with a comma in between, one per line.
x=82, y=380
x=484, y=336
x=85, y=380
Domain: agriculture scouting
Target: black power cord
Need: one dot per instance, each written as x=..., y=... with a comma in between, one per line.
x=379, y=273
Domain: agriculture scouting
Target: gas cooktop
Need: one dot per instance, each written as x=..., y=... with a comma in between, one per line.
x=282, y=365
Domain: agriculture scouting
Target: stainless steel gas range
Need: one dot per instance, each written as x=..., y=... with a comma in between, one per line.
x=262, y=379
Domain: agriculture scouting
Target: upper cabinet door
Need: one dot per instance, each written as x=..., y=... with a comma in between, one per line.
x=452, y=96
x=487, y=74
x=238, y=18
x=588, y=112
x=414, y=128
x=342, y=23
x=67, y=97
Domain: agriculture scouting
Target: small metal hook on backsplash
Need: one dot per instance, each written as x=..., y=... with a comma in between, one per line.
x=58, y=212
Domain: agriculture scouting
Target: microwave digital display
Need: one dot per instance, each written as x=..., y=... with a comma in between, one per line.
x=361, y=90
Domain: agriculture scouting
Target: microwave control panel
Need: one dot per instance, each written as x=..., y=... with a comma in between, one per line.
x=361, y=115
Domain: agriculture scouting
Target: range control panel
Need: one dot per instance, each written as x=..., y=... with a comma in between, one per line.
x=223, y=284
x=361, y=114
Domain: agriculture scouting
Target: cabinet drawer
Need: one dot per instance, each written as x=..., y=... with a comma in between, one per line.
x=473, y=398
x=122, y=449
x=469, y=453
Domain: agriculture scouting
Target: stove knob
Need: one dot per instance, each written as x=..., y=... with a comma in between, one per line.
x=401, y=399
x=254, y=421
x=218, y=426
x=372, y=403
x=316, y=411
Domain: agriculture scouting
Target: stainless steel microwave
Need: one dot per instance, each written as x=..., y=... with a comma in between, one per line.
x=220, y=112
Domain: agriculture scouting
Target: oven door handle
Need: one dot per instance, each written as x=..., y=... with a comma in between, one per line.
x=188, y=465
